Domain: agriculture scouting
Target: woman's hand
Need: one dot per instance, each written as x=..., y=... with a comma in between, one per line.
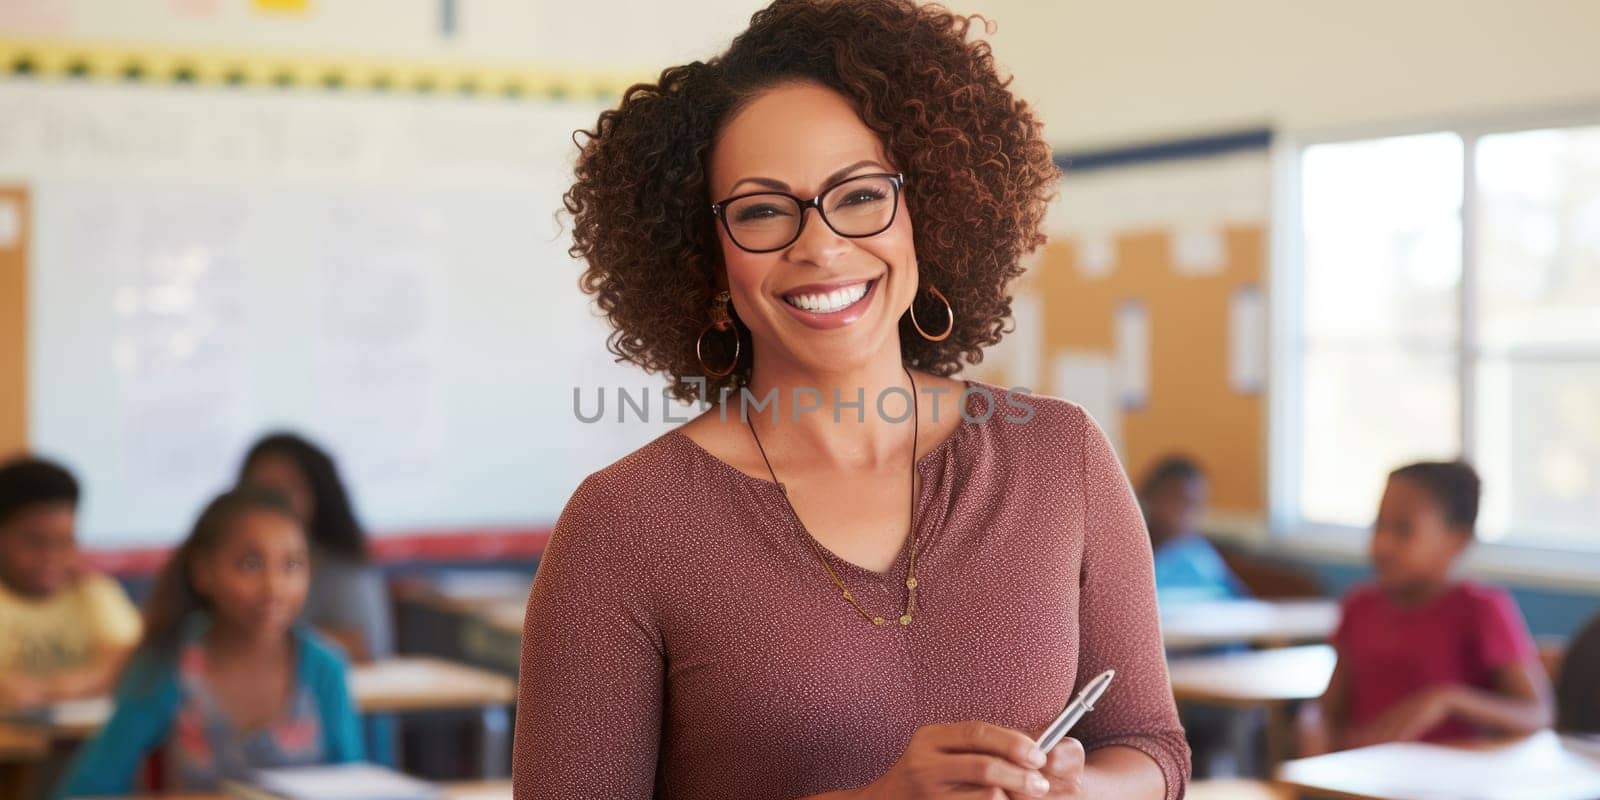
x=974, y=760
x=1065, y=770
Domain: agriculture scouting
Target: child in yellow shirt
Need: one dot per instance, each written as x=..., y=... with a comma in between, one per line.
x=63, y=632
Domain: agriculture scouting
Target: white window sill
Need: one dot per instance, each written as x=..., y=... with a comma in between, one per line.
x=1518, y=565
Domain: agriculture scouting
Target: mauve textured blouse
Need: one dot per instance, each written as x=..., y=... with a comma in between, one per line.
x=683, y=641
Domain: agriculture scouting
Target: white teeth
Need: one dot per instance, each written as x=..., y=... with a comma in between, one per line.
x=828, y=303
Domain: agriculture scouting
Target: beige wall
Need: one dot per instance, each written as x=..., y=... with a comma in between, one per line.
x=1110, y=71
x=1100, y=72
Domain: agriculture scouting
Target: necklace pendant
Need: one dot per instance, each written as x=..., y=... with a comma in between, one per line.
x=877, y=620
x=905, y=619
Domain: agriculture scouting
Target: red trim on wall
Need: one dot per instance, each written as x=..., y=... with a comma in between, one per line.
x=467, y=544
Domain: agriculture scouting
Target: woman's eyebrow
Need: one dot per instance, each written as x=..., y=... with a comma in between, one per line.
x=771, y=183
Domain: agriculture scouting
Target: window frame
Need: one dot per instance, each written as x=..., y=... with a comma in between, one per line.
x=1286, y=530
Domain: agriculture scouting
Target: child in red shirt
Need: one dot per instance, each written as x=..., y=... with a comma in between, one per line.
x=1423, y=656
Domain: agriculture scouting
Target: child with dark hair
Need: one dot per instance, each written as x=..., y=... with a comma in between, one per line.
x=63, y=632
x=226, y=681
x=1423, y=656
x=348, y=600
x=1187, y=566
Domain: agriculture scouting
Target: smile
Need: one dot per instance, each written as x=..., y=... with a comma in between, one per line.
x=832, y=301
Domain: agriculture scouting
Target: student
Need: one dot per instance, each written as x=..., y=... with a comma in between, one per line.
x=63, y=633
x=1187, y=566
x=1578, y=690
x=1423, y=656
x=348, y=600
x=225, y=680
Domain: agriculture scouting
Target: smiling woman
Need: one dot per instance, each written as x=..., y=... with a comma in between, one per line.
x=835, y=207
x=920, y=99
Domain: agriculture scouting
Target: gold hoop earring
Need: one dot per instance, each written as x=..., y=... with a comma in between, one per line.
x=949, y=313
x=721, y=321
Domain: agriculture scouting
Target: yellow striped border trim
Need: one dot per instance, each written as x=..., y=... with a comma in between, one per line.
x=107, y=63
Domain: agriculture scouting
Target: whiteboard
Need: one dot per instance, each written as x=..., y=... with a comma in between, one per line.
x=383, y=273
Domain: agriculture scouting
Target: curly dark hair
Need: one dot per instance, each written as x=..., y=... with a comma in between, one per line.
x=979, y=175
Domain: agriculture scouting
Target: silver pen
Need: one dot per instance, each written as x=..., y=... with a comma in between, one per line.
x=1080, y=705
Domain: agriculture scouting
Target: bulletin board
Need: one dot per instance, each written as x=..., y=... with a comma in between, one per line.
x=1199, y=398
x=1147, y=306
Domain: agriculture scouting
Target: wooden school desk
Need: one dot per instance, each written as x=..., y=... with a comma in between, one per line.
x=1235, y=789
x=1273, y=680
x=21, y=747
x=507, y=615
x=1267, y=623
x=390, y=685
x=21, y=743
x=475, y=617
x=1544, y=766
x=431, y=684
x=470, y=790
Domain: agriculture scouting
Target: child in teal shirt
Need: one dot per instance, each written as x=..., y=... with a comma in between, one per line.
x=226, y=681
x=1187, y=567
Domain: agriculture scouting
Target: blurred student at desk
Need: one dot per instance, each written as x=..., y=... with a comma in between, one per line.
x=1422, y=655
x=63, y=633
x=226, y=681
x=348, y=600
x=1187, y=567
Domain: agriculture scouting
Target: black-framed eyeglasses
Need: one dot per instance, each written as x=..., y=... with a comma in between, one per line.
x=856, y=207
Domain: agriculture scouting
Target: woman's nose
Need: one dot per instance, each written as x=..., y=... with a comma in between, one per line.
x=817, y=244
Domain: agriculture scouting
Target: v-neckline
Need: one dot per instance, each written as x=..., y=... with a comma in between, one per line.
x=773, y=492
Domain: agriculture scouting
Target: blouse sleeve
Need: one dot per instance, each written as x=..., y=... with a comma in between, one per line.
x=589, y=699
x=1119, y=626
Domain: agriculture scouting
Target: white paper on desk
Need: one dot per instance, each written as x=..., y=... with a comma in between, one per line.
x=394, y=677
x=497, y=585
x=485, y=793
x=87, y=712
x=344, y=782
x=1537, y=769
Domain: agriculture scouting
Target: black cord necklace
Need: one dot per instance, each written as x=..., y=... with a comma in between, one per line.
x=911, y=560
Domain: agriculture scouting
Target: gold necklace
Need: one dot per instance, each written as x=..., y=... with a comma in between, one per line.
x=911, y=560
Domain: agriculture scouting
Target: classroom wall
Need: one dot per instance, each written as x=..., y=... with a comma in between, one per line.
x=595, y=35
x=1111, y=72
x=1098, y=72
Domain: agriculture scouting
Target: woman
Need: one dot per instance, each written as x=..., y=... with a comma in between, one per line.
x=348, y=601
x=741, y=608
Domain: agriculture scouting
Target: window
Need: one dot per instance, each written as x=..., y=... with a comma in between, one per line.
x=1446, y=301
